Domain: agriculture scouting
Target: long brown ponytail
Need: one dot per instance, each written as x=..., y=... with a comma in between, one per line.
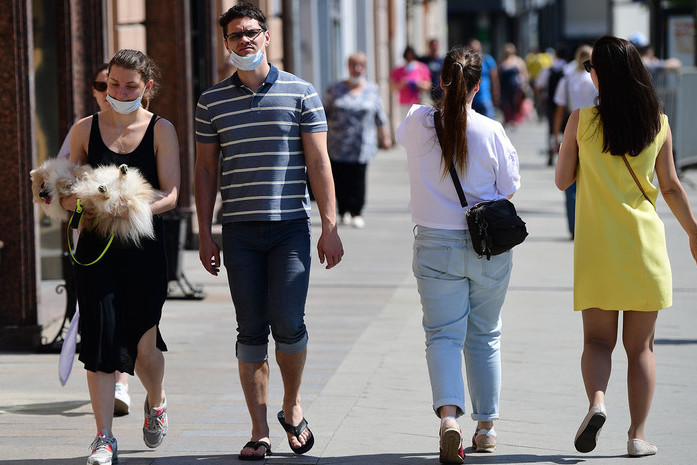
x=462, y=70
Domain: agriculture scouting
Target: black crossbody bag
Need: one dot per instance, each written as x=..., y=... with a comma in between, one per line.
x=494, y=225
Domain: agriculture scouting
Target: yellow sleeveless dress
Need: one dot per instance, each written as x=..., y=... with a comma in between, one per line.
x=620, y=256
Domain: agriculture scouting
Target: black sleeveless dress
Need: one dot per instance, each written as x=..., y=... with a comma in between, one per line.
x=121, y=296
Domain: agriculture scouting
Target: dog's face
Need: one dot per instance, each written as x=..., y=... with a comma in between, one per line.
x=52, y=180
x=42, y=191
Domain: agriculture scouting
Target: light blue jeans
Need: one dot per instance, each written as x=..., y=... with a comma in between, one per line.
x=461, y=296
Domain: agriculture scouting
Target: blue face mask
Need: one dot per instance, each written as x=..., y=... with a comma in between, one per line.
x=127, y=106
x=247, y=63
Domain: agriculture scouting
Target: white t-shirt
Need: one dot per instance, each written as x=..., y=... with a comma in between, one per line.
x=64, y=151
x=578, y=88
x=491, y=174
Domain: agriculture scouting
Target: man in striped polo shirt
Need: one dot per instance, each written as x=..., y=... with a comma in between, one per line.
x=271, y=129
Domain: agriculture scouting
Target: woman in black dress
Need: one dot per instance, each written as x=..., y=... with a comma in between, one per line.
x=121, y=296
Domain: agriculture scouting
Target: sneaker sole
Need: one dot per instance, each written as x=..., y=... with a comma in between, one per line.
x=120, y=408
x=153, y=445
x=588, y=438
x=484, y=448
x=114, y=460
x=450, y=447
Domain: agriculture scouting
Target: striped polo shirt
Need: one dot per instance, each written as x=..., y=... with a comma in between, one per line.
x=263, y=163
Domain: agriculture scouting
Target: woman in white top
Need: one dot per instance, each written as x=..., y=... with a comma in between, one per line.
x=461, y=293
x=575, y=90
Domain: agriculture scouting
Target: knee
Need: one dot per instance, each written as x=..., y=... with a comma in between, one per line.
x=601, y=343
x=289, y=333
x=636, y=349
x=149, y=356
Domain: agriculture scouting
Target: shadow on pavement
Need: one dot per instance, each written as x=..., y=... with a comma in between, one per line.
x=182, y=460
x=282, y=459
x=532, y=458
x=48, y=408
x=676, y=342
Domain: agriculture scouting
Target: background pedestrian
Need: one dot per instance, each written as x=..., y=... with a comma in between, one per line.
x=356, y=123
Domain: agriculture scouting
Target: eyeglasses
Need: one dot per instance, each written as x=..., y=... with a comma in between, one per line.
x=250, y=34
x=99, y=86
x=588, y=66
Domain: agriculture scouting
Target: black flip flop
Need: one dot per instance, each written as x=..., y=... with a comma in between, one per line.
x=297, y=431
x=256, y=445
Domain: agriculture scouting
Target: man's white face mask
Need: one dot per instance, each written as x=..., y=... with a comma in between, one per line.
x=247, y=63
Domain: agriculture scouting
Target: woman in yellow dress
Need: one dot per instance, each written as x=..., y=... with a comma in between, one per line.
x=620, y=258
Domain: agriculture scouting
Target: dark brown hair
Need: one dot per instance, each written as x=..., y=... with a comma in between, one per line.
x=462, y=70
x=242, y=10
x=143, y=64
x=100, y=68
x=628, y=107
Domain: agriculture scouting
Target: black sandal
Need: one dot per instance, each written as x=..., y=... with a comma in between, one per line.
x=297, y=431
x=256, y=445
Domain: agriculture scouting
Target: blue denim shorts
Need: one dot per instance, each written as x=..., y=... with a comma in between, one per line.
x=268, y=269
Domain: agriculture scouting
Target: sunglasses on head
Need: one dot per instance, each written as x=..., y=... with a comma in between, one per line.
x=588, y=66
x=99, y=86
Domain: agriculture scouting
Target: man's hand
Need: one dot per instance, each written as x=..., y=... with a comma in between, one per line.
x=209, y=254
x=329, y=246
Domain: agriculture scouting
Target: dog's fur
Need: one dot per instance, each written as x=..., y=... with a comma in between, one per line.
x=117, y=200
x=53, y=180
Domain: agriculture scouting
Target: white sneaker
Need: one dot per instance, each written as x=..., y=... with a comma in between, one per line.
x=104, y=450
x=345, y=219
x=358, y=222
x=122, y=401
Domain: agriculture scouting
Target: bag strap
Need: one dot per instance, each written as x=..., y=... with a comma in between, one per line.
x=631, y=171
x=453, y=172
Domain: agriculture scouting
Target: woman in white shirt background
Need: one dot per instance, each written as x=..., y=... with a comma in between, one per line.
x=461, y=293
x=575, y=90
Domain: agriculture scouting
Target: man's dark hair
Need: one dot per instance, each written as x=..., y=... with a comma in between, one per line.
x=409, y=50
x=242, y=10
x=561, y=50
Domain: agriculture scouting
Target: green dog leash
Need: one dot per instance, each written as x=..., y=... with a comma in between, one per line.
x=78, y=210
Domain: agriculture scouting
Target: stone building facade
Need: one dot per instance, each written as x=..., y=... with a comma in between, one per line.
x=51, y=48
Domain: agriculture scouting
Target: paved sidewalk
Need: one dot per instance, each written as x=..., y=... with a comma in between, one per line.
x=365, y=392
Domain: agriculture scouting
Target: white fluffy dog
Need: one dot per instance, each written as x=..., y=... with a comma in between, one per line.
x=53, y=180
x=117, y=200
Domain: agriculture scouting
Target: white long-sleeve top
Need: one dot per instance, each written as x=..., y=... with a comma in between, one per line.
x=576, y=90
x=492, y=170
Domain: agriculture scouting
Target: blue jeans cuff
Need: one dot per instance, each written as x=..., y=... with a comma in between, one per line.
x=456, y=402
x=251, y=354
x=491, y=417
x=293, y=348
